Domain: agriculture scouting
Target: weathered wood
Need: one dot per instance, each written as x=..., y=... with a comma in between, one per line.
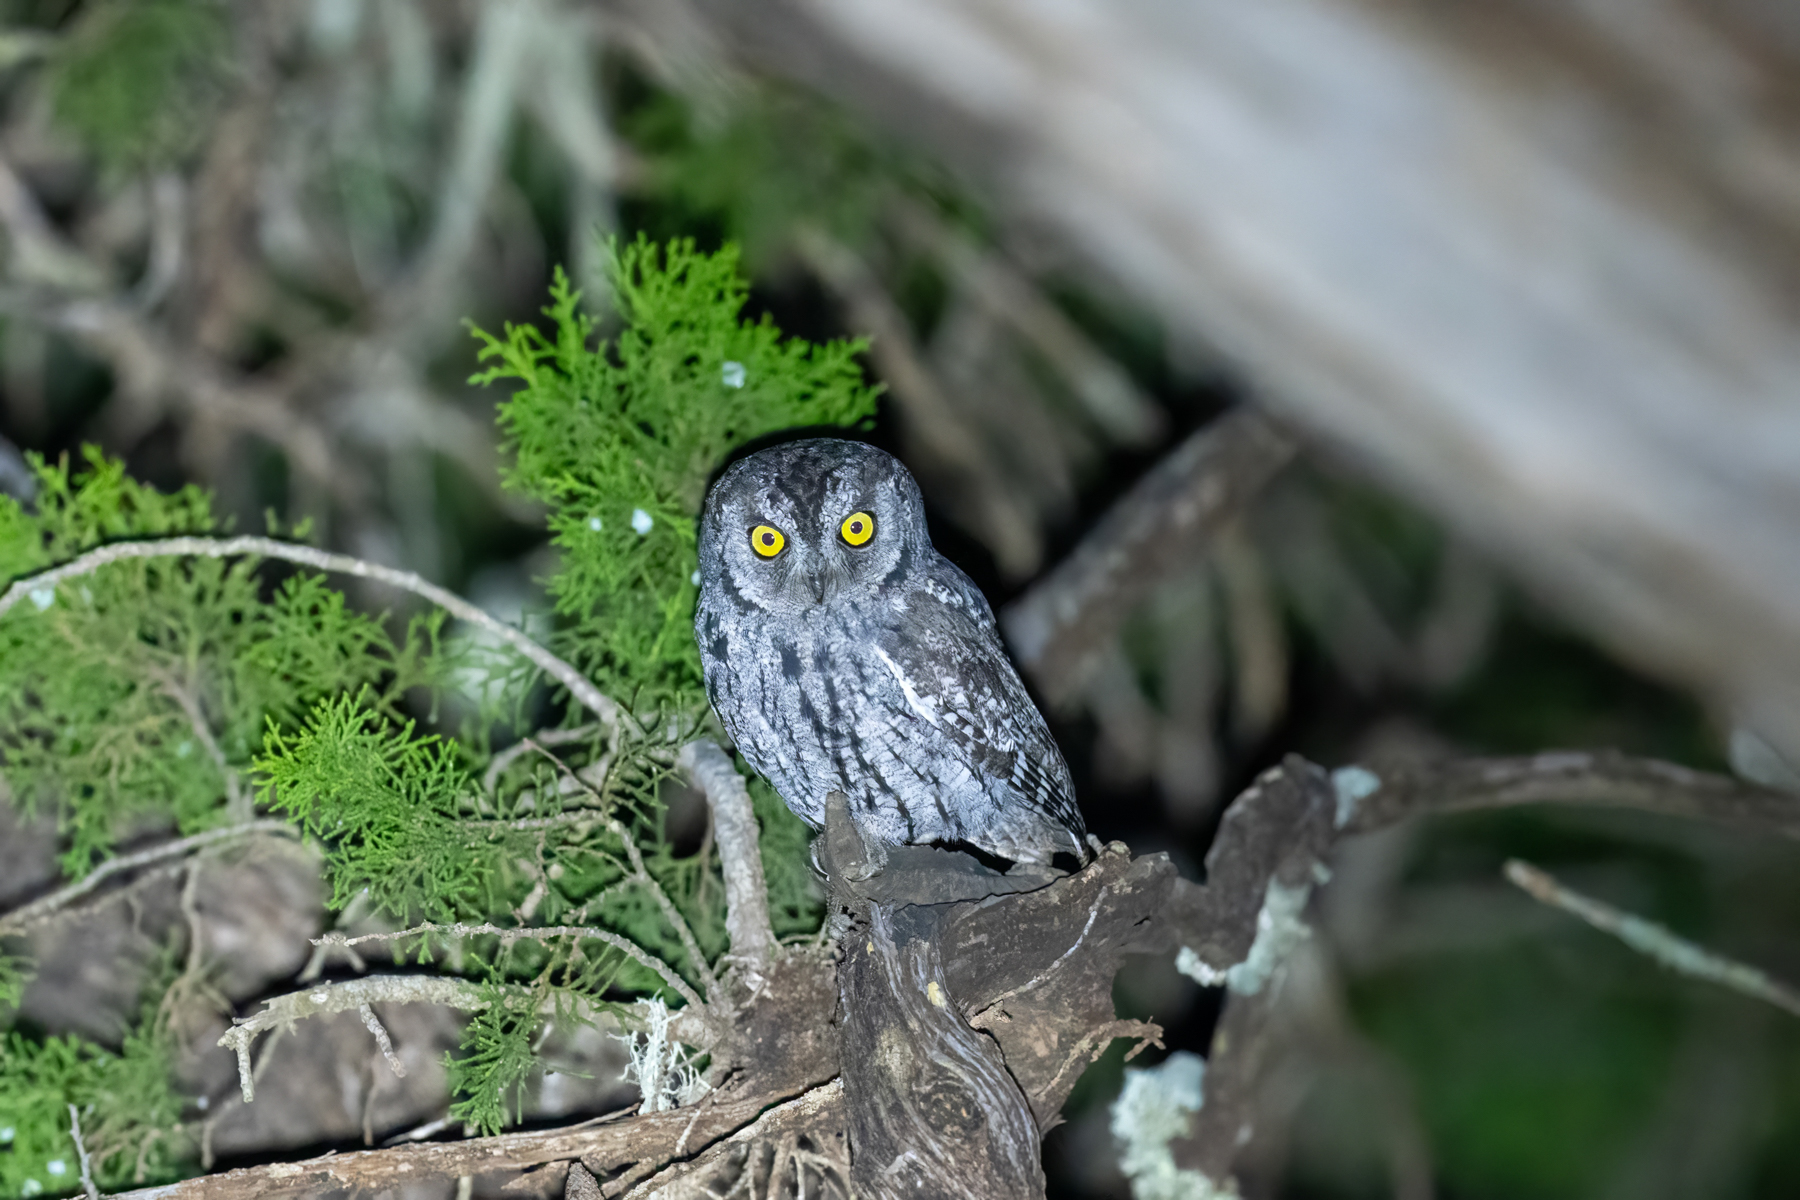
x=1025, y=978
x=930, y=1107
x=1535, y=264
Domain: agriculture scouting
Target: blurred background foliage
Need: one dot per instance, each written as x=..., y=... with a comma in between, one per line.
x=240, y=243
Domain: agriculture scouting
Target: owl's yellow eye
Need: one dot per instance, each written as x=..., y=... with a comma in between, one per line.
x=857, y=528
x=767, y=540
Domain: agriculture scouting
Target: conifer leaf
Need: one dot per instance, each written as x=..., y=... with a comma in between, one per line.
x=621, y=436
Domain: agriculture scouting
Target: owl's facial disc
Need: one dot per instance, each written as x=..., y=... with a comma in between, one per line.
x=810, y=524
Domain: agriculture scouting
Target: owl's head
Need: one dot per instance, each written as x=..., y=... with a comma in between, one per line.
x=808, y=523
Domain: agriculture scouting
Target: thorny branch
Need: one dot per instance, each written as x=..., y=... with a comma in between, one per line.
x=578, y=685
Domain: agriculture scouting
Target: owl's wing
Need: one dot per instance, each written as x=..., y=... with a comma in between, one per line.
x=951, y=671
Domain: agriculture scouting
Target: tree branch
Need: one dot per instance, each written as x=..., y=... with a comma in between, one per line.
x=1601, y=778
x=535, y=933
x=1648, y=938
x=42, y=909
x=1161, y=526
x=601, y=1147
x=579, y=687
x=740, y=855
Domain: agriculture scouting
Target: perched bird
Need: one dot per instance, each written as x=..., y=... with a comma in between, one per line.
x=842, y=652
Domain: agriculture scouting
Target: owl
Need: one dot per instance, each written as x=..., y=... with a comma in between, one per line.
x=843, y=653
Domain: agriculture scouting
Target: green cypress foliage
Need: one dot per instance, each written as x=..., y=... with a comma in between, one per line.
x=621, y=437
x=143, y=691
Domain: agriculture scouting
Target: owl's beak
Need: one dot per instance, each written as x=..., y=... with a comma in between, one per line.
x=817, y=579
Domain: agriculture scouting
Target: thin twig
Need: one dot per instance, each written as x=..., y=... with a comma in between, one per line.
x=1650, y=939
x=45, y=907
x=533, y=933
x=642, y=875
x=585, y=692
x=81, y=1152
x=235, y=800
x=490, y=779
x=386, y=1044
x=279, y=1012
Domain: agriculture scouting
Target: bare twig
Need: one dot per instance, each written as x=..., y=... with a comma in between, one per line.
x=326, y=998
x=386, y=1044
x=534, y=933
x=579, y=687
x=490, y=778
x=1601, y=778
x=45, y=907
x=643, y=877
x=740, y=855
x=81, y=1153
x=1157, y=530
x=1650, y=939
x=816, y=1108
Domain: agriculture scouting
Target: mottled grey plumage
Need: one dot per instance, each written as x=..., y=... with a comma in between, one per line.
x=874, y=670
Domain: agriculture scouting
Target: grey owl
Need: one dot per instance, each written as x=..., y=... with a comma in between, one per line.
x=842, y=652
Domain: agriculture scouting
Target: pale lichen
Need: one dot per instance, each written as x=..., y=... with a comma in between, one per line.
x=1155, y=1107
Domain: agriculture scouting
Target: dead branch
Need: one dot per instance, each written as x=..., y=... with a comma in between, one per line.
x=1601, y=778
x=329, y=998
x=511, y=933
x=603, y=1148
x=1158, y=529
x=81, y=1151
x=1033, y=967
x=1648, y=938
x=46, y=907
